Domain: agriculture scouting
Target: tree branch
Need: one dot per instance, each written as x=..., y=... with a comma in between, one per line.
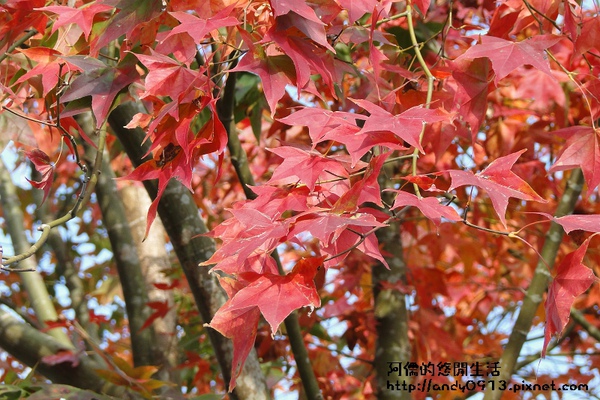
x=35, y=286
x=29, y=346
x=538, y=286
x=585, y=324
x=184, y=226
x=125, y=255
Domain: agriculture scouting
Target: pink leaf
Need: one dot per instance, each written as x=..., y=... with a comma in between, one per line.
x=572, y=279
x=45, y=167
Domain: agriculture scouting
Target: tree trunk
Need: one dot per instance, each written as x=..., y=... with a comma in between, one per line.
x=184, y=226
x=154, y=259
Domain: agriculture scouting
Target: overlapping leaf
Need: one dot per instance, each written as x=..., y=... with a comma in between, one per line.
x=499, y=182
x=572, y=279
x=429, y=206
x=45, y=167
x=102, y=83
x=274, y=296
x=582, y=149
x=506, y=55
x=82, y=17
x=407, y=125
x=305, y=166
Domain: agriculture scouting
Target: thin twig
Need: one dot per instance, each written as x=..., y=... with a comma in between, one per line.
x=86, y=189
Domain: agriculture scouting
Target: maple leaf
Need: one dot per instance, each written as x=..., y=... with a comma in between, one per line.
x=62, y=356
x=506, y=55
x=307, y=56
x=341, y=127
x=357, y=8
x=45, y=167
x=503, y=21
x=589, y=37
x=161, y=308
x=198, y=28
x=423, y=5
x=324, y=124
x=101, y=82
x=499, y=182
x=407, y=125
x=365, y=190
x=129, y=16
x=272, y=295
x=283, y=7
x=329, y=227
x=429, y=206
x=247, y=232
x=573, y=222
x=178, y=167
x=280, y=199
x=572, y=279
x=358, y=143
x=48, y=66
x=275, y=72
x=582, y=149
x=471, y=96
x=18, y=16
x=167, y=77
x=304, y=166
x=349, y=239
x=82, y=17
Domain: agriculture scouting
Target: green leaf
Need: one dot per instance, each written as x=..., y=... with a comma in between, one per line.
x=11, y=392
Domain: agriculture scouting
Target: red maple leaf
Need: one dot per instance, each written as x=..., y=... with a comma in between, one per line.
x=101, y=82
x=429, y=206
x=473, y=81
x=572, y=279
x=407, y=125
x=167, y=77
x=129, y=16
x=161, y=308
x=589, y=37
x=304, y=166
x=272, y=295
x=365, y=190
x=82, y=17
x=45, y=167
x=249, y=231
x=584, y=222
x=309, y=54
x=324, y=124
x=62, y=356
x=499, y=182
x=275, y=72
x=238, y=323
x=358, y=143
x=328, y=227
x=349, y=239
x=48, y=66
x=178, y=167
x=582, y=149
x=503, y=21
x=506, y=55
x=283, y=7
x=358, y=8
x=280, y=199
x=198, y=28
x=341, y=127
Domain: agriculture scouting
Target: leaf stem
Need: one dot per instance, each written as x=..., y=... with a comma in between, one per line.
x=430, y=79
x=86, y=189
x=388, y=19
